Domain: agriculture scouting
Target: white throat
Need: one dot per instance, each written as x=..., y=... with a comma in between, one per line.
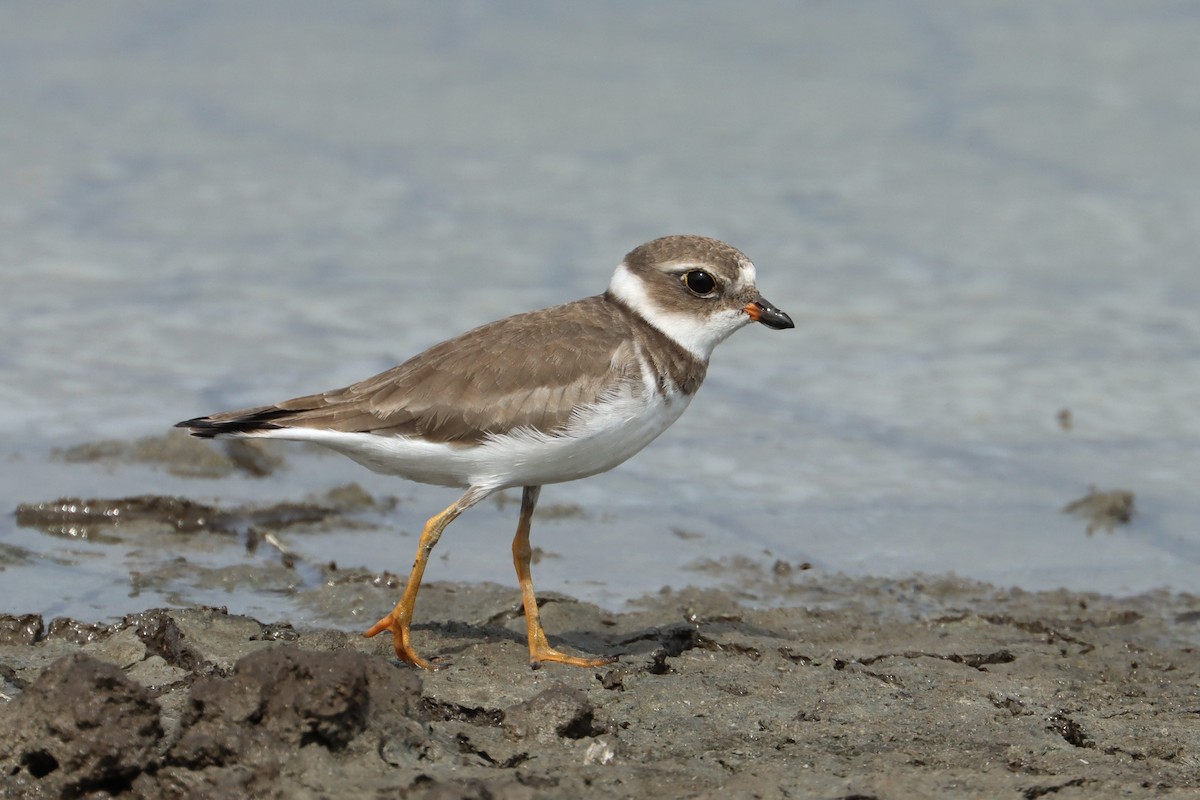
x=699, y=335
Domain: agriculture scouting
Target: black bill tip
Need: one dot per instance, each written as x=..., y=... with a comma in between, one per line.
x=762, y=311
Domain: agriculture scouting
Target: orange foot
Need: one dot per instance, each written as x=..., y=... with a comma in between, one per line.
x=401, y=640
x=541, y=655
x=540, y=651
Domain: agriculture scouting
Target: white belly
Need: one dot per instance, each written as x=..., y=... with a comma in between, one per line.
x=598, y=439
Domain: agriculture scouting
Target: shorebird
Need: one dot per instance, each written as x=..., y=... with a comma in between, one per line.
x=542, y=397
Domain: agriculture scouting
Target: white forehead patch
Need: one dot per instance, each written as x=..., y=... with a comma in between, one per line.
x=747, y=275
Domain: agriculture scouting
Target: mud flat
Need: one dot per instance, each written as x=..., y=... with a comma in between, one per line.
x=849, y=688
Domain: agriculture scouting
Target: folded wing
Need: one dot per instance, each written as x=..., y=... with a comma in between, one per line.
x=532, y=370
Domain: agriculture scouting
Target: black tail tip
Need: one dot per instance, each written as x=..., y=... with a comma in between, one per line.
x=234, y=424
x=200, y=427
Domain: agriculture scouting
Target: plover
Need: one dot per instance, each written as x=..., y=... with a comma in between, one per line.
x=542, y=397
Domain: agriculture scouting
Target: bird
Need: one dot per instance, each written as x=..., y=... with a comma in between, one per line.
x=541, y=397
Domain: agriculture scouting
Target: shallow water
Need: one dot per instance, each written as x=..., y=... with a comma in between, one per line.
x=978, y=217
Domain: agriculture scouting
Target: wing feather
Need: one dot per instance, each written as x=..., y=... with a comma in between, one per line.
x=528, y=371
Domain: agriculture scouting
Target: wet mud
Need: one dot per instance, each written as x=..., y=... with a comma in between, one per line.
x=857, y=688
x=787, y=682
x=86, y=518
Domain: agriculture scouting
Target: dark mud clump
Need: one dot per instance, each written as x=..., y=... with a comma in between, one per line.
x=1103, y=509
x=94, y=518
x=81, y=727
x=879, y=689
x=285, y=712
x=179, y=454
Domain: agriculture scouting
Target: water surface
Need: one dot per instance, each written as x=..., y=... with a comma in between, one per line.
x=978, y=216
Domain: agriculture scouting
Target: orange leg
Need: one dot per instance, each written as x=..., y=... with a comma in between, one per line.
x=539, y=649
x=399, y=621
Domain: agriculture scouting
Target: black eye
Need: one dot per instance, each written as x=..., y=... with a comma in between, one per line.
x=699, y=281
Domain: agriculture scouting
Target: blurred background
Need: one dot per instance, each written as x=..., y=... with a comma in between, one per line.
x=984, y=219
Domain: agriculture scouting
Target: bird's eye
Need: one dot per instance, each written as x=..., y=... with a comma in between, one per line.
x=699, y=282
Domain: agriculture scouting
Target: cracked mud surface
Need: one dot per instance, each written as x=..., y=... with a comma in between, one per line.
x=938, y=688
